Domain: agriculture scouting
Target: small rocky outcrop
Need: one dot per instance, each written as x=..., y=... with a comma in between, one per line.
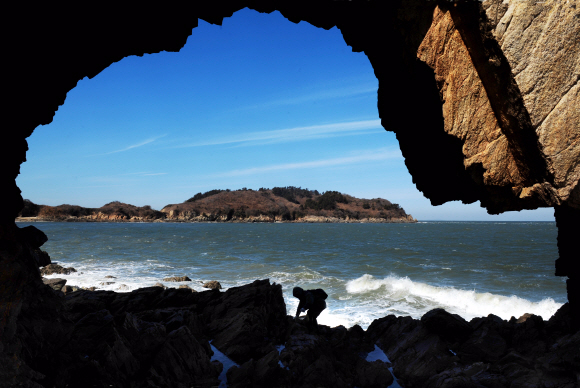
x=213, y=285
x=69, y=289
x=110, y=277
x=56, y=284
x=177, y=279
x=185, y=286
x=54, y=268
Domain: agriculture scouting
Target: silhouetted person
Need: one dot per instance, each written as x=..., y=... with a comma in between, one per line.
x=311, y=300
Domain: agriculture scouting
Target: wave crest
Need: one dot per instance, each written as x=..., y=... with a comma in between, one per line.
x=467, y=303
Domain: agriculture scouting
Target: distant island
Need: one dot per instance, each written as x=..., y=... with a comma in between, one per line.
x=279, y=204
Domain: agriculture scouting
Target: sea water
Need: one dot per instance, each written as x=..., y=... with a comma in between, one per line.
x=368, y=270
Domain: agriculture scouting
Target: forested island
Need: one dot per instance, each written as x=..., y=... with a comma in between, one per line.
x=279, y=204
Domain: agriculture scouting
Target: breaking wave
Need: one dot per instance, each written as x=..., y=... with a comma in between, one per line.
x=467, y=303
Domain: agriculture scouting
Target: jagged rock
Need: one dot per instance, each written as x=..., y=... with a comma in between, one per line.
x=93, y=288
x=450, y=327
x=524, y=318
x=68, y=289
x=56, y=269
x=530, y=337
x=266, y=372
x=213, y=285
x=186, y=287
x=33, y=236
x=42, y=258
x=110, y=277
x=417, y=354
x=177, y=279
x=374, y=374
x=160, y=285
x=487, y=342
x=56, y=283
x=246, y=322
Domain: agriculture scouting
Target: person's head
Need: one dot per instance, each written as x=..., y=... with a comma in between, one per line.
x=297, y=292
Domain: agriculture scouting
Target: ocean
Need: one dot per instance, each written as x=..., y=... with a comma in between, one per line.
x=368, y=270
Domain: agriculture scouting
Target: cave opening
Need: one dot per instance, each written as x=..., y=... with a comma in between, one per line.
x=137, y=139
x=35, y=329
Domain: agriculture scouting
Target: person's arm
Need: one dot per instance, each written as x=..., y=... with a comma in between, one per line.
x=300, y=306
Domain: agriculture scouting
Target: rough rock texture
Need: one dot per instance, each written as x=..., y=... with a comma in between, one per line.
x=54, y=268
x=56, y=283
x=177, y=279
x=213, y=284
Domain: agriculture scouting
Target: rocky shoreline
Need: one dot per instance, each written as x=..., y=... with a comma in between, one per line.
x=164, y=337
x=305, y=220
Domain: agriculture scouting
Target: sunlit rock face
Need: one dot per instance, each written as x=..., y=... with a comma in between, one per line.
x=508, y=85
x=541, y=42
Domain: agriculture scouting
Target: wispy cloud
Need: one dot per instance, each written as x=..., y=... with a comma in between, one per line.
x=144, y=173
x=137, y=145
x=374, y=155
x=343, y=92
x=294, y=134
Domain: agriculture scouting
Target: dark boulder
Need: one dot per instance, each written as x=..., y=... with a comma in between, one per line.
x=41, y=257
x=487, y=342
x=33, y=236
x=450, y=327
x=374, y=374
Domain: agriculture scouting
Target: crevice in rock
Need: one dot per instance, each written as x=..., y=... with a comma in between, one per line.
x=502, y=90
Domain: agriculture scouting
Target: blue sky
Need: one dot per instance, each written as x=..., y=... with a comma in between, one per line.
x=256, y=102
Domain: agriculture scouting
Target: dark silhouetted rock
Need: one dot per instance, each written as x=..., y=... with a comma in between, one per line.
x=177, y=279
x=42, y=258
x=33, y=236
x=53, y=268
x=524, y=318
x=213, y=285
x=450, y=327
x=487, y=343
x=374, y=374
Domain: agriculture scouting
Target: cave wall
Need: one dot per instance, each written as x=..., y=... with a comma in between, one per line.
x=483, y=98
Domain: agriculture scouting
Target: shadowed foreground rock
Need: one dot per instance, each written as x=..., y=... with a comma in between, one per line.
x=155, y=337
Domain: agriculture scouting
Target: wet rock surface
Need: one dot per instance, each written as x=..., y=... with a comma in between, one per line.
x=54, y=268
x=213, y=285
x=177, y=279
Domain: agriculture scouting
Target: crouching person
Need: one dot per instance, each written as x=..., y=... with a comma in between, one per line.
x=311, y=300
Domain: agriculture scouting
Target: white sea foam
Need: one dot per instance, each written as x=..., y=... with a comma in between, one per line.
x=467, y=303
